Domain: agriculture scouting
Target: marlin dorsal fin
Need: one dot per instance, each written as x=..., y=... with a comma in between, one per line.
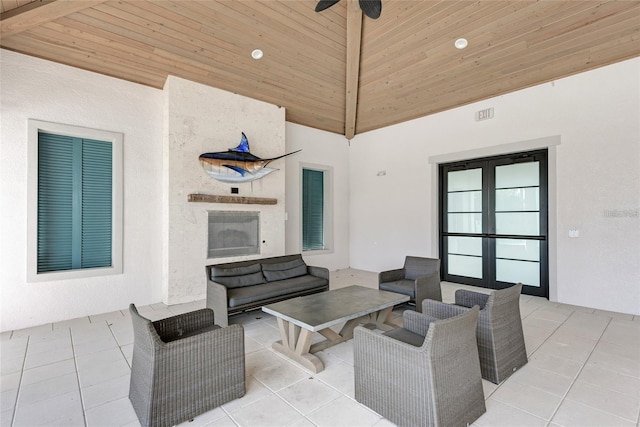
x=243, y=147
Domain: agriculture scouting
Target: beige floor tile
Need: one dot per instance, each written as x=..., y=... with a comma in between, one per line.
x=68, y=324
x=6, y=418
x=537, y=323
x=551, y=313
x=216, y=415
x=116, y=413
x=626, y=350
x=10, y=381
x=8, y=400
x=254, y=390
x=340, y=376
x=564, y=350
x=44, y=373
x=114, y=316
x=605, y=400
x=225, y=421
x=502, y=415
x=614, y=315
x=105, y=392
x=543, y=380
x=622, y=333
x=620, y=383
x=103, y=372
x=574, y=414
x=47, y=389
x=34, y=331
x=47, y=357
x=308, y=395
x=268, y=411
x=557, y=365
x=529, y=399
x=612, y=362
x=62, y=410
x=343, y=412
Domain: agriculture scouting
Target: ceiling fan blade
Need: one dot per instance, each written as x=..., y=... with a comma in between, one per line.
x=371, y=8
x=325, y=4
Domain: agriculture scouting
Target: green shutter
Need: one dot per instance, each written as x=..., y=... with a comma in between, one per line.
x=312, y=210
x=55, y=194
x=74, y=203
x=96, y=203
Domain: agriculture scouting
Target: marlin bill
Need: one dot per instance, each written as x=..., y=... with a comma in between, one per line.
x=237, y=164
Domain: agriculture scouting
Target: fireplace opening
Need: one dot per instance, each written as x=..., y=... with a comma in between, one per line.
x=232, y=233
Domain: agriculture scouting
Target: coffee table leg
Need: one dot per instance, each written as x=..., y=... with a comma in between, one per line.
x=295, y=344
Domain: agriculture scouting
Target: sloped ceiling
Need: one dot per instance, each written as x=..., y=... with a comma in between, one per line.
x=333, y=70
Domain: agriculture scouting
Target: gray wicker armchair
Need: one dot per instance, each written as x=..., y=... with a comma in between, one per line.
x=500, y=338
x=184, y=366
x=419, y=278
x=424, y=374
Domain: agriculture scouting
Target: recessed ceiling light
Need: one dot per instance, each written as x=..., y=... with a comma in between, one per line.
x=461, y=43
x=257, y=54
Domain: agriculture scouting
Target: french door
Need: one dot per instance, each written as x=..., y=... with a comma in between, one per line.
x=493, y=222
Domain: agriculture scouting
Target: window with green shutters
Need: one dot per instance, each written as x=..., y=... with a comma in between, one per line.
x=312, y=210
x=316, y=195
x=75, y=202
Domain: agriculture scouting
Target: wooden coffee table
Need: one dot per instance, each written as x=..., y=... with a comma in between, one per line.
x=298, y=318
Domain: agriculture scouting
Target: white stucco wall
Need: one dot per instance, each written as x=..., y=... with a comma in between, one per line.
x=201, y=119
x=323, y=149
x=37, y=89
x=597, y=171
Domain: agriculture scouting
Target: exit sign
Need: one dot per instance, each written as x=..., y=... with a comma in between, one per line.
x=485, y=114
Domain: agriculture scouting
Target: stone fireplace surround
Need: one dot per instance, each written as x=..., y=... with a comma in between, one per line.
x=199, y=119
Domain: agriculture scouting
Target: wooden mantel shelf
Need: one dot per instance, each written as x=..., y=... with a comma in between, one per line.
x=210, y=198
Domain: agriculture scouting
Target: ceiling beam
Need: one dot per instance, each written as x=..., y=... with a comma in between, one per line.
x=354, y=36
x=40, y=12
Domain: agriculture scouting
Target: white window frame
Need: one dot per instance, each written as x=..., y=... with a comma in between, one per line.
x=116, y=139
x=328, y=208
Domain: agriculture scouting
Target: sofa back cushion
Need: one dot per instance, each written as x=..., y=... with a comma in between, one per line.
x=284, y=270
x=238, y=277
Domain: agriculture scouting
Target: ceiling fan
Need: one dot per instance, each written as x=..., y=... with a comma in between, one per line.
x=371, y=8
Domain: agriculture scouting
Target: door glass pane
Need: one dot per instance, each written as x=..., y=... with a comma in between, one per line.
x=518, y=223
x=511, y=271
x=465, y=201
x=464, y=223
x=518, y=249
x=518, y=175
x=518, y=199
x=461, y=265
x=465, y=245
x=464, y=180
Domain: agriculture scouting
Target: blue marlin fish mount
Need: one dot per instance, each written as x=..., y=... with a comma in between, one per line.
x=237, y=164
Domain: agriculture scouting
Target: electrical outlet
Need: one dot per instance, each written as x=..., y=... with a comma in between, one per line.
x=574, y=233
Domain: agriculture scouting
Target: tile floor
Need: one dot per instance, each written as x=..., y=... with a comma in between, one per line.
x=583, y=370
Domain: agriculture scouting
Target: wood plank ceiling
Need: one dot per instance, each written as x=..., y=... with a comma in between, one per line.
x=332, y=70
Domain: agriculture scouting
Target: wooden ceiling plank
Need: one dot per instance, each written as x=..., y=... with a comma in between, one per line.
x=37, y=13
x=268, y=21
x=328, y=25
x=586, y=18
x=415, y=29
x=354, y=34
x=379, y=65
x=146, y=35
x=70, y=36
x=50, y=51
x=494, y=53
x=322, y=68
x=488, y=34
